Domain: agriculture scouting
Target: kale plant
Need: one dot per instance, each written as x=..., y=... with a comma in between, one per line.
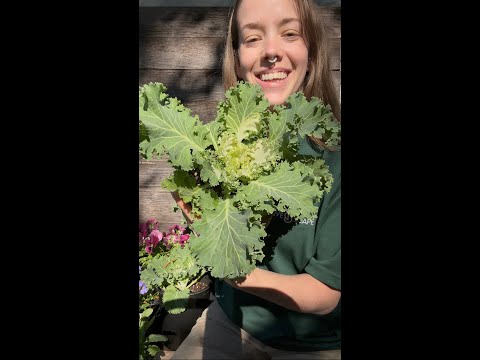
x=239, y=168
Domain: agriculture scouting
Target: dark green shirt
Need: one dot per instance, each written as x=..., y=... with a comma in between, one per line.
x=308, y=246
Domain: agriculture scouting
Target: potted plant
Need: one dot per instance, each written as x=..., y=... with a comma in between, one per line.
x=168, y=267
x=174, y=288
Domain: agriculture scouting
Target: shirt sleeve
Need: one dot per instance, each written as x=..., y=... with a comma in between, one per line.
x=325, y=265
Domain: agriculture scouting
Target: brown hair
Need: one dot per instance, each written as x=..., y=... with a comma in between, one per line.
x=318, y=81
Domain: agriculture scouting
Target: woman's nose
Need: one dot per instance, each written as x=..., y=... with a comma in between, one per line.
x=272, y=49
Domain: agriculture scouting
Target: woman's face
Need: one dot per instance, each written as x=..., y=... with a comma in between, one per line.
x=269, y=29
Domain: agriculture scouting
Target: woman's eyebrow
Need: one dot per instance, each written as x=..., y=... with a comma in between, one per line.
x=258, y=25
x=285, y=21
x=252, y=26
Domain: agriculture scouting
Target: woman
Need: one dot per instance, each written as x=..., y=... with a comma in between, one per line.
x=289, y=306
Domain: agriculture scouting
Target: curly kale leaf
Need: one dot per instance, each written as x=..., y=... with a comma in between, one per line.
x=170, y=127
x=226, y=244
x=310, y=118
x=287, y=187
x=172, y=271
x=242, y=110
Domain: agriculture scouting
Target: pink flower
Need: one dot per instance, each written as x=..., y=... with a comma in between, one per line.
x=169, y=240
x=183, y=239
x=153, y=240
x=151, y=224
x=142, y=228
x=176, y=229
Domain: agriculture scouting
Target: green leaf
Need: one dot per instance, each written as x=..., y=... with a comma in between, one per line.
x=226, y=244
x=243, y=109
x=316, y=170
x=287, y=187
x=155, y=274
x=153, y=350
x=210, y=170
x=175, y=301
x=311, y=118
x=146, y=313
x=156, y=338
x=178, y=179
x=278, y=128
x=170, y=127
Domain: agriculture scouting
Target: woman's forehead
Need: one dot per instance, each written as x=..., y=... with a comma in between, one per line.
x=265, y=11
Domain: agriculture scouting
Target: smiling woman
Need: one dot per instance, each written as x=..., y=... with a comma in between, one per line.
x=290, y=301
x=201, y=30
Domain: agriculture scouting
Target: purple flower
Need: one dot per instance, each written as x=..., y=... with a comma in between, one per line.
x=142, y=287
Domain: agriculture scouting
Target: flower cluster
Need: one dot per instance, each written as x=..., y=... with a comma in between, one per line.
x=155, y=246
x=167, y=266
x=150, y=237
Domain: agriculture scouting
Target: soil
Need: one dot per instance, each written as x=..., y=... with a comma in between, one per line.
x=199, y=286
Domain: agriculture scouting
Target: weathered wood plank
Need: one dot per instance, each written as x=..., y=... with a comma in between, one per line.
x=195, y=53
x=186, y=85
x=180, y=53
x=207, y=22
x=154, y=200
x=158, y=203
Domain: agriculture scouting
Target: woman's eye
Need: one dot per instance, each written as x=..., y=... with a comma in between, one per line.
x=251, y=39
x=291, y=34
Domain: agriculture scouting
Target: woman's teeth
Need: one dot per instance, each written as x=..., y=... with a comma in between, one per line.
x=273, y=76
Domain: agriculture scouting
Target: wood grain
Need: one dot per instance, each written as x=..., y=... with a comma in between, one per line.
x=154, y=200
x=198, y=22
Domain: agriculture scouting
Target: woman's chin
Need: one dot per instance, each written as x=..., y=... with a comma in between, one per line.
x=275, y=99
x=277, y=96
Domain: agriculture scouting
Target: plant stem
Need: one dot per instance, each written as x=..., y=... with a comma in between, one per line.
x=198, y=277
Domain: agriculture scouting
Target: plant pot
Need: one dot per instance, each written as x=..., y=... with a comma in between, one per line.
x=176, y=327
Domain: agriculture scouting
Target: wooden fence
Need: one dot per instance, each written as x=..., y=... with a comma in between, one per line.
x=181, y=47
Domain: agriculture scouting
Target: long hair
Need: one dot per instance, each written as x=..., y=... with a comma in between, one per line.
x=318, y=81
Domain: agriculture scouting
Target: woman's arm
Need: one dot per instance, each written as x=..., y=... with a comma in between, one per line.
x=300, y=292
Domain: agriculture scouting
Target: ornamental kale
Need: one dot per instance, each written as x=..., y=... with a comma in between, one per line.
x=239, y=168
